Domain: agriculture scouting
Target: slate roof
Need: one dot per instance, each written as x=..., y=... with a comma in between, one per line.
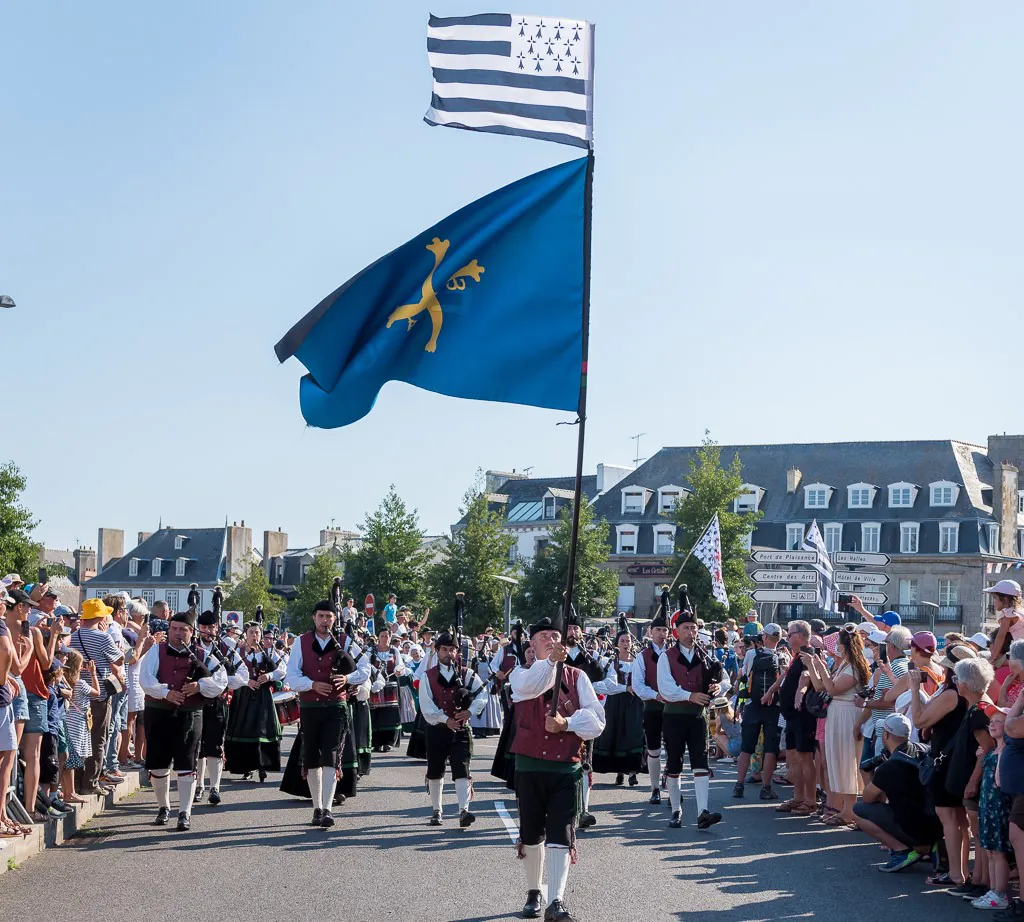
x=204, y=549
x=525, y=496
x=839, y=465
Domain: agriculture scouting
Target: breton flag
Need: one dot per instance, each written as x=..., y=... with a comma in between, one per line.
x=709, y=552
x=508, y=73
x=826, y=580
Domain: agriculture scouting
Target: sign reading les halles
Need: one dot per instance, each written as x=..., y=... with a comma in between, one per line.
x=647, y=569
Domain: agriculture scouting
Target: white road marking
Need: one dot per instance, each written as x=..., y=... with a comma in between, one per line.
x=511, y=827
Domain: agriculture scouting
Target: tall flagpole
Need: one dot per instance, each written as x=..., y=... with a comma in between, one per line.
x=581, y=412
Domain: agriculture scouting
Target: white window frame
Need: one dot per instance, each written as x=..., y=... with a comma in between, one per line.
x=148, y=596
x=816, y=489
x=668, y=531
x=748, y=500
x=858, y=488
x=154, y=568
x=634, y=492
x=951, y=596
x=949, y=528
x=179, y=541
x=993, y=537
x=673, y=494
x=179, y=566
x=621, y=530
x=870, y=547
x=901, y=486
x=910, y=537
x=943, y=485
x=171, y=598
x=827, y=531
x=913, y=598
x=133, y=566
x=795, y=536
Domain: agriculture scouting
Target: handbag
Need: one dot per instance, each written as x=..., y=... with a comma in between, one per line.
x=816, y=703
x=930, y=766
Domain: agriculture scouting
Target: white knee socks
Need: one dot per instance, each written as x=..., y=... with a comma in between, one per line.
x=462, y=792
x=216, y=770
x=673, y=793
x=654, y=769
x=162, y=789
x=201, y=772
x=436, y=788
x=186, y=791
x=559, y=860
x=533, y=862
x=328, y=784
x=586, y=792
x=315, y=779
x=701, y=788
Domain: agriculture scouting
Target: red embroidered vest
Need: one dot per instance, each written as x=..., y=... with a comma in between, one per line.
x=533, y=740
x=690, y=678
x=444, y=697
x=317, y=665
x=651, y=667
x=172, y=671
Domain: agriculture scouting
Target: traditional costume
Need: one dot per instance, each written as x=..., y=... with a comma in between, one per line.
x=417, y=748
x=549, y=773
x=580, y=659
x=447, y=690
x=254, y=730
x=325, y=719
x=506, y=659
x=489, y=721
x=356, y=751
x=386, y=716
x=684, y=671
x=645, y=684
x=174, y=731
x=621, y=747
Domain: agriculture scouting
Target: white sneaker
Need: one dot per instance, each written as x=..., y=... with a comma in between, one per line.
x=990, y=900
x=727, y=760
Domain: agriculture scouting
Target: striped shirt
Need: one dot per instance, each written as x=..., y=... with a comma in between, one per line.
x=101, y=648
x=882, y=686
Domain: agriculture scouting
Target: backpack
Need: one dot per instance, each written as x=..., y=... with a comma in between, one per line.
x=764, y=670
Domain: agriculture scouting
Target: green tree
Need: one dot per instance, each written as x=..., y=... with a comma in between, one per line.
x=251, y=590
x=18, y=552
x=543, y=584
x=315, y=587
x=477, y=551
x=390, y=558
x=714, y=488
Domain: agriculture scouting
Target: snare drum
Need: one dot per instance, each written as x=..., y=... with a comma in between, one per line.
x=387, y=697
x=286, y=704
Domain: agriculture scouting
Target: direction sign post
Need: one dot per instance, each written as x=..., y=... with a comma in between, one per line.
x=791, y=596
x=790, y=557
x=797, y=577
x=852, y=559
x=873, y=598
x=860, y=579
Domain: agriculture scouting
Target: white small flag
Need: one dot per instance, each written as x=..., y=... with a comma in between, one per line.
x=823, y=564
x=709, y=552
x=508, y=73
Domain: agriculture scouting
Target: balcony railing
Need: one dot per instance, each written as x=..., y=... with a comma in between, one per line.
x=912, y=615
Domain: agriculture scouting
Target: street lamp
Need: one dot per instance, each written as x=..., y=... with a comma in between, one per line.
x=7, y=301
x=510, y=584
x=934, y=608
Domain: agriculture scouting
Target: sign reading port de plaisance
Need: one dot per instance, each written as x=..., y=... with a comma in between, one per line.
x=785, y=576
x=791, y=557
x=851, y=559
x=799, y=596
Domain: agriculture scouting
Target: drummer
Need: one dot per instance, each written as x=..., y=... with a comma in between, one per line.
x=386, y=715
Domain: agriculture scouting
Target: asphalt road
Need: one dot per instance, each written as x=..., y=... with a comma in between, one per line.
x=255, y=858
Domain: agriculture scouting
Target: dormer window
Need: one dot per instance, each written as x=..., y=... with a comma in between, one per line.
x=179, y=566
x=133, y=566
x=861, y=495
x=634, y=499
x=669, y=497
x=902, y=495
x=944, y=493
x=179, y=542
x=155, y=568
x=550, y=506
x=748, y=500
x=993, y=537
x=817, y=496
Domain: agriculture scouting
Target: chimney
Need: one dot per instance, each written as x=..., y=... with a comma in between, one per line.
x=275, y=543
x=85, y=564
x=793, y=477
x=109, y=547
x=494, y=479
x=143, y=535
x=1004, y=505
x=610, y=474
x=334, y=536
x=237, y=552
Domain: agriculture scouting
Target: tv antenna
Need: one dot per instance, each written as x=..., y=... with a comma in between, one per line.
x=637, y=459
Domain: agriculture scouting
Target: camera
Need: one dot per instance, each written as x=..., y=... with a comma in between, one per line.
x=869, y=765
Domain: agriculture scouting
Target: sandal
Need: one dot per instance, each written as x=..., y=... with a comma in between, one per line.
x=835, y=820
x=11, y=828
x=941, y=880
x=802, y=809
x=786, y=806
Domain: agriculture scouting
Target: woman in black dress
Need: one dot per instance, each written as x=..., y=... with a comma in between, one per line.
x=253, y=739
x=620, y=748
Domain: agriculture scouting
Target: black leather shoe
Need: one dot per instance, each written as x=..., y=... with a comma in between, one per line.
x=655, y=797
x=263, y=776
x=326, y=820
x=557, y=912
x=214, y=797
x=339, y=799
x=587, y=820
x=707, y=819
x=620, y=778
x=633, y=781
x=466, y=819
x=162, y=816
x=318, y=815
x=677, y=819
x=738, y=790
x=435, y=818
x=183, y=823
x=533, y=906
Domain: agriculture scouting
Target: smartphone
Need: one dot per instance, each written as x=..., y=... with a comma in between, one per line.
x=26, y=629
x=883, y=653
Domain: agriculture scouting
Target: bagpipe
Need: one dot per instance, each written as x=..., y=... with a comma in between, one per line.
x=464, y=697
x=712, y=668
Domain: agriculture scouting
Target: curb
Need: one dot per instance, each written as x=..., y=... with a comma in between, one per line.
x=55, y=832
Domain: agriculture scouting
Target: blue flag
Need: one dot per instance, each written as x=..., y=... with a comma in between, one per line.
x=486, y=304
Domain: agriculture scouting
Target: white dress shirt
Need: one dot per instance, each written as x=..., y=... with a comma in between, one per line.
x=670, y=690
x=587, y=723
x=640, y=686
x=297, y=682
x=432, y=713
x=211, y=687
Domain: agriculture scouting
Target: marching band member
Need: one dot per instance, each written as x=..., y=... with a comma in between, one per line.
x=387, y=720
x=620, y=748
x=645, y=684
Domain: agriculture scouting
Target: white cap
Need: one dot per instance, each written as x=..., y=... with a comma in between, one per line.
x=773, y=628
x=1005, y=587
x=878, y=637
x=866, y=627
x=980, y=640
x=897, y=725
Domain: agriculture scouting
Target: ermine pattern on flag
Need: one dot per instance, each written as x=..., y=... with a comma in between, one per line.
x=508, y=73
x=709, y=552
x=826, y=580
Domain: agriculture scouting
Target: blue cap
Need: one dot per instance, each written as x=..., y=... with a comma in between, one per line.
x=62, y=611
x=890, y=619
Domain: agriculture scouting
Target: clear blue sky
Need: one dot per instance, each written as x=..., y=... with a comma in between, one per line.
x=807, y=227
